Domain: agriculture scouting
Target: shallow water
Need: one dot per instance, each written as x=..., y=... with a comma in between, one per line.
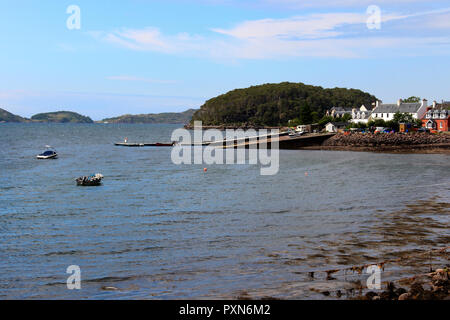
x=159, y=230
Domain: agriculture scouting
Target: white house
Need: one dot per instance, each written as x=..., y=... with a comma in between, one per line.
x=387, y=111
x=358, y=115
x=338, y=112
x=361, y=115
x=334, y=126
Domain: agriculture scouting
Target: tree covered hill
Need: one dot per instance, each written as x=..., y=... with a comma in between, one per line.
x=61, y=117
x=276, y=104
x=167, y=117
x=6, y=116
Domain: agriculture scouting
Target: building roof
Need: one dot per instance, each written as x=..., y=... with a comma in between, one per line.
x=436, y=113
x=386, y=108
x=409, y=107
x=393, y=108
x=444, y=105
x=340, y=109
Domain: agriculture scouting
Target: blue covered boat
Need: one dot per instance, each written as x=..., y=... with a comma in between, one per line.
x=49, y=154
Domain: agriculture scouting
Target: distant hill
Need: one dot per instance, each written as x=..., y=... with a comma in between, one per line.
x=167, y=117
x=6, y=116
x=61, y=117
x=276, y=104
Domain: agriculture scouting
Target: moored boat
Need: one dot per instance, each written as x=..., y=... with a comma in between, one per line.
x=49, y=154
x=130, y=144
x=92, y=180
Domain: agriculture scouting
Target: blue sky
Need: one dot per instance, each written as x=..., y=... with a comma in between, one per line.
x=143, y=56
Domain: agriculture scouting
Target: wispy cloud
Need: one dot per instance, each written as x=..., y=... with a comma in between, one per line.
x=139, y=79
x=315, y=4
x=337, y=34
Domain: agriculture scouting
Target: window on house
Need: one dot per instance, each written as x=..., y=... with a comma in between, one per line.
x=440, y=125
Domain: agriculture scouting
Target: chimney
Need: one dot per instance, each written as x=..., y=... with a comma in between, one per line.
x=377, y=104
x=399, y=102
x=434, y=104
x=424, y=102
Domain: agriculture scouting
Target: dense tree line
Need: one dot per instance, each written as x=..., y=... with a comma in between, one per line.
x=61, y=117
x=277, y=104
x=166, y=117
x=6, y=116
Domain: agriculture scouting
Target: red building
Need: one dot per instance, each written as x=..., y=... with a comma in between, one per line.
x=437, y=117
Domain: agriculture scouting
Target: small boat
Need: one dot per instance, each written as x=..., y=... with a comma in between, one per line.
x=49, y=154
x=89, y=181
x=158, y=144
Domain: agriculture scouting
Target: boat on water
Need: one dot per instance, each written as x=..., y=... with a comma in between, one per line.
x=89, y=181
x=48, y=154
x=158, y=144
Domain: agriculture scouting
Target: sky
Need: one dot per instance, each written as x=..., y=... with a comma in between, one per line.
x=144, y=56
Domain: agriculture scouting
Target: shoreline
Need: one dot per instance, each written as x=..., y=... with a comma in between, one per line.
x=388, y=143
x=411, y=149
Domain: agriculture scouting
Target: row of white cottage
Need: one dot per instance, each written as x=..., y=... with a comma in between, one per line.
x=379, y=110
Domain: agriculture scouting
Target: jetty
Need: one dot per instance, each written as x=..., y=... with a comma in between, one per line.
x=284, y=141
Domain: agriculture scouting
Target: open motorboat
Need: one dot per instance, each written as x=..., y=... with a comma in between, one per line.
x=49, y=154
x=92, y=180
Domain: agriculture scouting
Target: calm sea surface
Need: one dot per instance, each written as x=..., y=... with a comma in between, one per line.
x=155, y=230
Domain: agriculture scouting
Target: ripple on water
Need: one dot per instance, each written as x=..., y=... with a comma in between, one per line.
x=157, y=230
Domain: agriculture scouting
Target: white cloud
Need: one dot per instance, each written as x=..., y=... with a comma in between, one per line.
x=306, y=27
x=318, y=35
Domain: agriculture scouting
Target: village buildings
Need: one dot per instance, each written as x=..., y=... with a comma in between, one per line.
x=386, y=112
x=437, y=117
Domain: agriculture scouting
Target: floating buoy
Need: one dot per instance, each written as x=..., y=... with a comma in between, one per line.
x=306, y=174
x=205, y=169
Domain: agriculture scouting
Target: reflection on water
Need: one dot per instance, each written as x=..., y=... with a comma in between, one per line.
x=157, y=230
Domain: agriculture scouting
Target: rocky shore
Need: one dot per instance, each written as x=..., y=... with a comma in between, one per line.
x=389, y=142
x=432, y=286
